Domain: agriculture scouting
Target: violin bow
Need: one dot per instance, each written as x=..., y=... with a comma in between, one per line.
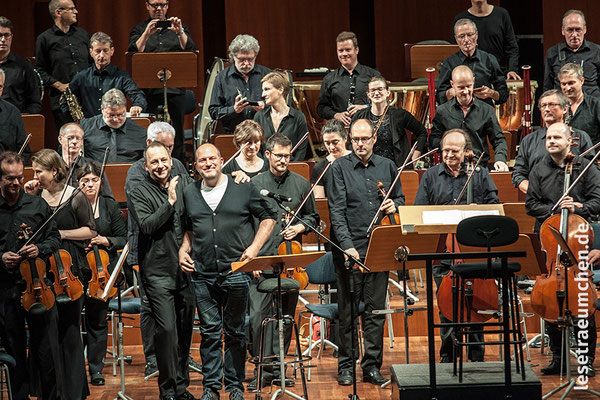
x=588, y=151
x=566, y=193
x=235, y=154
x=25, y=143
x=102, y=168
x=464, y=188
x=302, y=139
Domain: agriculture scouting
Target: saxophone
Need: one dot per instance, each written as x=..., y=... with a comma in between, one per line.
x=73, y=104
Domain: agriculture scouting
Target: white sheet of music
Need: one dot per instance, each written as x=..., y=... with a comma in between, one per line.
x=452, y=217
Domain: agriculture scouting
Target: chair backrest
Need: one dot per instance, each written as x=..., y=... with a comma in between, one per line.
x=322, y=271
x=34, y=124
x=487, y=231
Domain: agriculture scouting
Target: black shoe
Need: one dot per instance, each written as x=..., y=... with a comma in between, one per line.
x=553, y=368
x=150, y=368
x=446, y=360
x=210, y=394
x=194, y=366
x=345, y=378
x=252, y=385
x=186, y=396
x=236, y=394
x=591, y=372
x=374, y=377
x=97, y=379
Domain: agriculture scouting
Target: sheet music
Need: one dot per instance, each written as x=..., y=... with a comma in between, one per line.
x=452, y=217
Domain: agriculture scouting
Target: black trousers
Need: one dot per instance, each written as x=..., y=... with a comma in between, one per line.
x=588, y=342
x=176, y=104
x=173, y=313
x=147, y=325
x=96, y=328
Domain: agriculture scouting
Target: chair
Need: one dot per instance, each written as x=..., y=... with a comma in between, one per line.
x=6, y=362
x=35, y=124
x=129, y=305
x=487, y=231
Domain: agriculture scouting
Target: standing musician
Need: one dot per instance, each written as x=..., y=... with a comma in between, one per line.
x=238, y=84
x=249, y=161
x=553, y=107
x=12, y=130
x=442, y=184
x=112, y=235
x=278, y=117
x=77, y=226
x=391, y=124
x=160, y=216
x=17, y=207
x=335, y=138
x=279, y=180
x=472, y=115
x=344, y=90
x=220, y=230
x=546, y=182
x=584, y=110
x=353, y=202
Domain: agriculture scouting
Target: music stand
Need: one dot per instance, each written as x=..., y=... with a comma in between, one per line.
x=182, y=66
x=278, y=264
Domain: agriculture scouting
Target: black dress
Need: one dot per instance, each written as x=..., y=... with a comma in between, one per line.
x=234, y=166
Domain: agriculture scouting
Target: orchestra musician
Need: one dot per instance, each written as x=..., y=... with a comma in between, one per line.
x=553, y=105
x=21, y=87
x=335, y=138
x=442, y=184
x=249, y=160
x=77, y=226
x=160, y=217
x=17, y=207
x=473, y=115
x=353, y=201
x=238, y=84
x=344, y=90
x=90, y=84
x=279, y=180
x=391, y=124
x=584, y=110
x=546, y=182
x=219, y=231
x=112, y=235
x=278, y=117
x=490, y=82
x=575, y=49
x=12, y=130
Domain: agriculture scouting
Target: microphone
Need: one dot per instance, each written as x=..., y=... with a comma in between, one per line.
x=278, y=197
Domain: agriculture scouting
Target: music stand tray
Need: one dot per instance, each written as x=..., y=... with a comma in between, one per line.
x=181, y=66
x=267, y=262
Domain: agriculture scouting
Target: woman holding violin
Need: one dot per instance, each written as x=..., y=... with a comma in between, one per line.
x=335, y=139
x=112, y=235
x=249, y=134
x=546, y=187
x=76, y=226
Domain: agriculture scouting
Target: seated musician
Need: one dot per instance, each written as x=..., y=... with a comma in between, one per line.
x=553, y=107
x=473, y=115
x=238, y=84
x=391, y=124
x=490, y=82
x=442, y=184
x=278, y=179
x=125, y=138
x=21, y=86
x=353, y=202
x=335, y=140
x=249, y=160
x=546, y=182
x=584, y=110
x=12, y=130
x=278, y=117
x=344, y=90
x=90, y=84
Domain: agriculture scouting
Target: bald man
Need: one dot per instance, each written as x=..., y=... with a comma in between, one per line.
x=219, y=231
x=471, y=114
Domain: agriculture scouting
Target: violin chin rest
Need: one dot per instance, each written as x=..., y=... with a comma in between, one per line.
x=62, y=298
x=37, y=309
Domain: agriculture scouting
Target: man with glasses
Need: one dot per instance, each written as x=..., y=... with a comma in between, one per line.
x=575, y=49
x=125, y=138
x=12, y=130
x=237, y=90
x=553, y=107
x=20, y=86
x=149, y=37
x=490, y=82
x=61, y=52
x=353, y=202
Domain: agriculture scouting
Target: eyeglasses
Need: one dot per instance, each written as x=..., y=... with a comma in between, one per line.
x=549, y=105
x=68, y=8
x=5, y=36
x=13, y=178
x=72, y=138
x=361, y=139
x=378, y=90
x=466, y=35
x=281, y=156
x=115, y=116
x=156, y=6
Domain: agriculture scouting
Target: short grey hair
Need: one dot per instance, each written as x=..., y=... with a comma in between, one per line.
x=571, y=12
x=562, y=99
x=243, y=43
x=113, y=98
x=53, y=6
x=2, y=74
x=464, y=21
x=100, y=37
x=159, y=127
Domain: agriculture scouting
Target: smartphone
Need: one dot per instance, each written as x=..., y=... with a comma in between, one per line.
x=163, y=24
x=253, y=103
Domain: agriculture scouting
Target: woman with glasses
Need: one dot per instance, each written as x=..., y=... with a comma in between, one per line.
x=248, y=161
x=335, y=139
x=391, y=124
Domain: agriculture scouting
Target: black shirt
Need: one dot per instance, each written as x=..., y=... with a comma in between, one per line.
x=533, y=148
x=318, y=170
x=59, y=56
x=21, y=84
x=354, y=199
x=33, y=211
x=131, y=140
x=292, y=125
x=105, y=189
x=480, y=123
x=90, y=85
x=439, y=186
x=486, y=69
x=111, y=224
x=587, y=117
x=221, y=236
x=225, y=90
x=496, y=36
x=12, y=130
x=588, y=56
x=336, y=92
x=546, y=182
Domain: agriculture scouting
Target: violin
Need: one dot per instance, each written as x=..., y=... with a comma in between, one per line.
x=293, y=247
x=558, y=291
x=67, y=286
x=37, y=297
x=389, y=219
